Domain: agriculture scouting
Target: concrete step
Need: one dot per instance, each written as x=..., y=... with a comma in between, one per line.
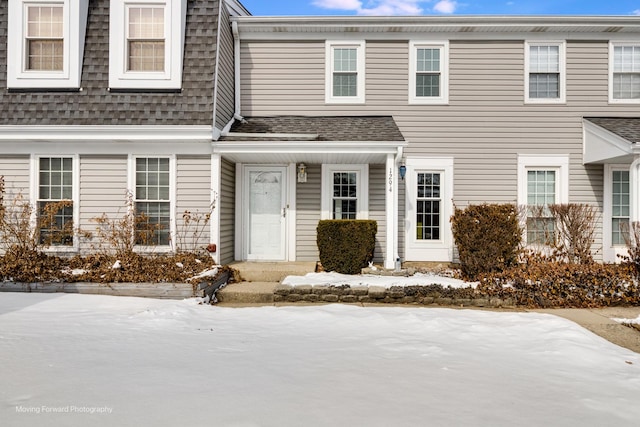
x=247, y=293
x=272, y=271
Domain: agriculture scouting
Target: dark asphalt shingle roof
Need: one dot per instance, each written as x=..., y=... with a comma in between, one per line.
x=625, y=127
x=95, y=105
x=328, y=128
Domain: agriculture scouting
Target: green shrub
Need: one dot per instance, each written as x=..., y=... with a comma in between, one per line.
x=346, y=246
x=488, y=238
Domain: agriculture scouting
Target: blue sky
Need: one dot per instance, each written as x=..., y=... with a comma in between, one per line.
x=442, y=7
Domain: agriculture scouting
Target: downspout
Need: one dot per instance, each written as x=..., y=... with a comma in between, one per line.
x=216, y=72
x=236, y=78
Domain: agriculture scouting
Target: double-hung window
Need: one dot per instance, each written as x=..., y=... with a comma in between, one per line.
x=146, y=43
x=45, y=43
x=345, y=72
x=153, y=201
x=624, y=72
x=145, y=38
x=428, y=72
x=545, y=72
x=541, y=192
x=542, y=181
x=55, y=194
x=345, y=191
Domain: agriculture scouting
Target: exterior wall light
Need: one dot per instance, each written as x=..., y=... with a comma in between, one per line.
x=403, y=171
x=302, y=172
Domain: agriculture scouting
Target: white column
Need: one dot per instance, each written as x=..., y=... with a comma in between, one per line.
x=391, y=204
x=216, y=187
x=634, y=190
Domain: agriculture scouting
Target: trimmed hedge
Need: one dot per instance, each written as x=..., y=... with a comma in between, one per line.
x=488, y=238
x=346, y=246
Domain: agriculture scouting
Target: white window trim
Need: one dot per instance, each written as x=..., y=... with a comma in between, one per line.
x=75, y=21
x=362, y=205
x=610, y=252
x=361, y=67
x=443, y=99
x=562, y=52
x=559, y=163
x=34, y=180
x=429, y=250
x=131, y=185
x=612, y=45
x=174, y=24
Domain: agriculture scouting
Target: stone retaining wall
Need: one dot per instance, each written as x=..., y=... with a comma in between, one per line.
x=377, y=294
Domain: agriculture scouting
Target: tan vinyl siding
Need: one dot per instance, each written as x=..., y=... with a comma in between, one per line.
x=193, y=200
x=227, y=212
x=15, y=170
x=377, y=208
x=225, y=105
x=485, y=125
x=103, y=190
x=308, y=214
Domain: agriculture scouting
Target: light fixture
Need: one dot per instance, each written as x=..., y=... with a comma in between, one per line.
x=302, y=172
x=403, y=171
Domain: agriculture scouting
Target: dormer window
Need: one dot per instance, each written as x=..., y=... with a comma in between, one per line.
x=145, y=39
x=45, y=43
x=45, y=38
x=146, y=44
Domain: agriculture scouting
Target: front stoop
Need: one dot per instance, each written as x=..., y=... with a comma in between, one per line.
x=272, y=271
x=247, y=293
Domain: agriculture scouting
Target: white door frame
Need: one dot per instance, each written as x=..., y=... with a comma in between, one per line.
x=241, y=227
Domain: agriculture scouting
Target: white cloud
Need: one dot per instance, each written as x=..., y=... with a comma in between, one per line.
x=374, y=7
x=636, y=12
x=338, y=4
x=445, y=6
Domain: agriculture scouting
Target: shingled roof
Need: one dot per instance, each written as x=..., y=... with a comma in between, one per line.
x=625, y=127
x=327, y=128
x=95, y=105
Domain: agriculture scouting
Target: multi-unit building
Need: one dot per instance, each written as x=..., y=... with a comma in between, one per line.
x=274, y=123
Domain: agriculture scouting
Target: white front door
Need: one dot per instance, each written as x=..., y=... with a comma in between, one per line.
x=265, y=213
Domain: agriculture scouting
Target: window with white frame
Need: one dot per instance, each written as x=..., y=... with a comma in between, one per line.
x=345, y=72
x=45, y=43
x=55, y=201
x=624, y=72
x=620, y=206
x=153, y=201
x=542, y=181
x=146, y=40
x=428, y=72
x=345, y=191
x=429, y=205
x=545, y=72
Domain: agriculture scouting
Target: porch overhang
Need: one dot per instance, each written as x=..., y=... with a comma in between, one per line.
x=609, y=141
x=312, y=152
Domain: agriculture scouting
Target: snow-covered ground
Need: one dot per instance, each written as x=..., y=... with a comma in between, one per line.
x=337, y=279
x=83, y=360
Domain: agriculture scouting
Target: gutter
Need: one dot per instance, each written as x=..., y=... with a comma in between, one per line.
x=216, y=132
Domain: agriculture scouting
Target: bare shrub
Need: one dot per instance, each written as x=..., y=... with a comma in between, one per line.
x=631, y=234
x=575, y=229
x=119, y=236
x=190, y=231
x=17, y=236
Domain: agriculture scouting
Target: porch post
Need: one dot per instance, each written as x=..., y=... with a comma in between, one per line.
x=634, y=190
x=391, y=204
x=214, y=224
